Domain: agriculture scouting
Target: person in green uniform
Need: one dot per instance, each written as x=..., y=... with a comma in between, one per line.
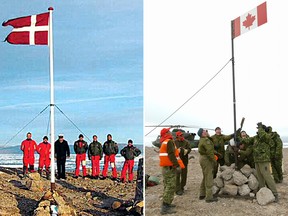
x=262, y=144
x=170, y=167
x=184, y=148
x=276, y=155
x=207, y=163
x=219, y=141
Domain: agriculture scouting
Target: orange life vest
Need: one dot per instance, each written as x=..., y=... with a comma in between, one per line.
x=163, y=155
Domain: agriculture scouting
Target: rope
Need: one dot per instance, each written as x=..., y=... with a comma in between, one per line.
x=48, y=124
x=25, y=126
x=189, y=98
x=72, y=123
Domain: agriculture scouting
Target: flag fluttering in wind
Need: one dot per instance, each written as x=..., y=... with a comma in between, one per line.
x=29, y=30
x=250, y=20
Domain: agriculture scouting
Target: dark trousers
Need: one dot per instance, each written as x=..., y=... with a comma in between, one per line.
x=61, y=167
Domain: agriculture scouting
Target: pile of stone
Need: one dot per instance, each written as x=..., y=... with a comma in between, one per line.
x=242, y=183
x=53, y=204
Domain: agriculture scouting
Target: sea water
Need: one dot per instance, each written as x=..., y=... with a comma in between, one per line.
x=16, y=160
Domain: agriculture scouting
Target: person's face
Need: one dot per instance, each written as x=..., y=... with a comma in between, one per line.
x=80, y=138
x=61, y=139
x=45, y=140
x=218, y=132
x=95, y=138
x=205, y=133
x=243, y=134
x=109, y=137
x=180, y=137
x=29, y=136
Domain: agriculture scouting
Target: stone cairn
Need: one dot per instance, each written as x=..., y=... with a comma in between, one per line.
x=241, y=183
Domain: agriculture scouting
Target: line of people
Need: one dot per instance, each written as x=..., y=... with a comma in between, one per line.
x=95, y=152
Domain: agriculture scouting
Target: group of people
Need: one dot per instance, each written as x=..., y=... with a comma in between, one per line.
x=95, y=152
x=262, y=151
x=259, y=152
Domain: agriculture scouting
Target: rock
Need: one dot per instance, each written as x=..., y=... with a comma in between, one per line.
x=252, y=195
x=244, y=190
x=246, y=170
x=34, y=176
x=34, y=185
x=227, y=173
x=58, y=199
x=264, y=196
x=48, y=195
x=253, y=182
x=215, y=189
x=239, y=178
x=230, y=190
x=229, y=182
x=44, y=203
x=218, y=181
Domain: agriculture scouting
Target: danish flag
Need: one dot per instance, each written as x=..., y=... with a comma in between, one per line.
x=30, y=30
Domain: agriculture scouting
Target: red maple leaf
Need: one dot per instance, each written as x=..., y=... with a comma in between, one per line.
x=249, y=21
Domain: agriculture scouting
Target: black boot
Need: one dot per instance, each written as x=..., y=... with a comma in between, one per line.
x=47, y=173
x=166, y=209
x=31, y=168
x=25, y=171
x=40, y=171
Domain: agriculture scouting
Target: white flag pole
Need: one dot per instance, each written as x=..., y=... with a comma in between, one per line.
x=52, y=131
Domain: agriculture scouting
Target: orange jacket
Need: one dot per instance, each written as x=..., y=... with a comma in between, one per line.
x=163, y=155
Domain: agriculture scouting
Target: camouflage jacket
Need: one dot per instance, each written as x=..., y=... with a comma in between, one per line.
x=262, y=144
x=276, y=150
x=206, y=148
x=219, y=143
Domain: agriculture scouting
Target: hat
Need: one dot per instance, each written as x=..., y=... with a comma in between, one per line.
x=61, y=135
x=217, y=128
x=81, y=135
x=200, y=131
x=179, y=133
x=130, y=141
x=45, y=137
x=109, y=135
x=164, y=131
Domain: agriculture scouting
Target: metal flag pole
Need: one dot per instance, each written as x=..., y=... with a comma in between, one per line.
x=52, y=131
x=233, y=77
x=234, y=95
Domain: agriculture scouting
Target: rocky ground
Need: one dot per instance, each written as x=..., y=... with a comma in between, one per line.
x=87, y=196
x=189, y=204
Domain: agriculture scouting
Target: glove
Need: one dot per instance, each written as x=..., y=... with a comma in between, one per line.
x=259, y=124
x=267, y=130
x=178, y=170
x=238, y=131
x=185, y=151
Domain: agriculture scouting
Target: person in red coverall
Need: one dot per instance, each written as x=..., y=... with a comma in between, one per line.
x=80, y=148
x=129, y=152
x=110, y=149
x=44, y=150
x=28, y=146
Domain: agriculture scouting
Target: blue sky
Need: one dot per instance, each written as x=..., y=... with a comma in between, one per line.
x=98, y=71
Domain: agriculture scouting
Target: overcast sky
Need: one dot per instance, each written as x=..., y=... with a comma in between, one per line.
x=98, y=71
x=188, y=42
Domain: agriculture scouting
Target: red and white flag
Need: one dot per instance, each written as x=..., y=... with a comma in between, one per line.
x=250, y=20
x=31, y=30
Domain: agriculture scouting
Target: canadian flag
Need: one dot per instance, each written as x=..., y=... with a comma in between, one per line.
x=250, y=20
x=32, y=30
